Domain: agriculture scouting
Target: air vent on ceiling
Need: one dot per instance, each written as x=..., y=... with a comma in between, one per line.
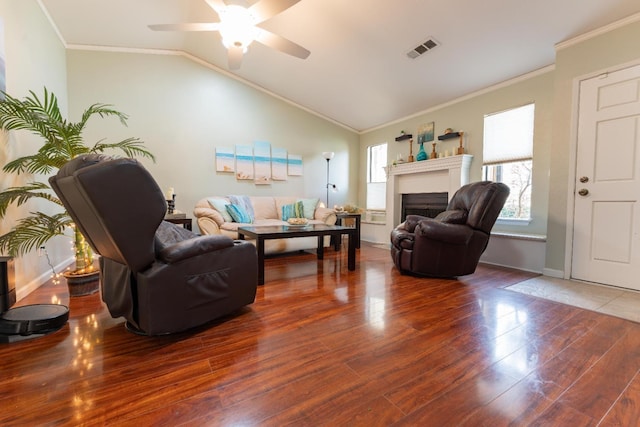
x=422, y=48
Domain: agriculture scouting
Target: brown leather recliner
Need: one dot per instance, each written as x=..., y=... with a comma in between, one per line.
x=160, y=277
x=450, y=244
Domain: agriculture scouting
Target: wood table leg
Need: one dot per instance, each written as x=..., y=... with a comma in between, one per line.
x=260, y=249
x=320, y=250
x=352, y=250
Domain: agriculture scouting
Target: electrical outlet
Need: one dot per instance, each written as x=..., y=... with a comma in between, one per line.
x=41, y=250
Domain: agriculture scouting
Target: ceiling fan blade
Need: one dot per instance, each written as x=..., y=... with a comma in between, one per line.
x=266, y=9
x=234, y=56
x=283, y=45
x=216, y=5
x=205, y=26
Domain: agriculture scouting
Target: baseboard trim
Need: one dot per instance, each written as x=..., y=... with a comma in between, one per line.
x=23, y=291
x=558, y=274
x=510, y=266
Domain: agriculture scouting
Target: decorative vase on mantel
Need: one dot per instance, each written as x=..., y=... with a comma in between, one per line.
x=422, y=155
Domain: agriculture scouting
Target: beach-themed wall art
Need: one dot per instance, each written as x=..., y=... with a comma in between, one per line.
x=259, y=162
x=278, y=164
x=262, y=162
x=294, y=164
x=244, y=162
x=225, y=159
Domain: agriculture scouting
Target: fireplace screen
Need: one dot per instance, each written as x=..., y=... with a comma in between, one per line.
x=425, y=204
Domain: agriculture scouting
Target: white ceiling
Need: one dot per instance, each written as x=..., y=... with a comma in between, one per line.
x=358, y=73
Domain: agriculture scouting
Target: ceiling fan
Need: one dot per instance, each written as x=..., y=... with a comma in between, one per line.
x=238, y=27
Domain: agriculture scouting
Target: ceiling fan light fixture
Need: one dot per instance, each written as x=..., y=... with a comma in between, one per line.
x=237, y=27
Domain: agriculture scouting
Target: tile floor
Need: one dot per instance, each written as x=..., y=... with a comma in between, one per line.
x=603, y=299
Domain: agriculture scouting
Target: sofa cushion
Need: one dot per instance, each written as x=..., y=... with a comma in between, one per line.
x=309, y=207
x=293, y=210
x=233, y=226
x=238, y=213
x=264, y=207
x=220, y=205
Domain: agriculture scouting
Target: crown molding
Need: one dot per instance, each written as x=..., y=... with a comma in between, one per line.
x=598, y=31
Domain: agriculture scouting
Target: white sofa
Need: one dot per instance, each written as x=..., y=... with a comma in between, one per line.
x=267, y=211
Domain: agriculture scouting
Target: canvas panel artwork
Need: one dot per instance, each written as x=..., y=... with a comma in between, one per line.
x=262, y=162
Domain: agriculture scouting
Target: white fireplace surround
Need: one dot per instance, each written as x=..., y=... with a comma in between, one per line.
x=437, y=175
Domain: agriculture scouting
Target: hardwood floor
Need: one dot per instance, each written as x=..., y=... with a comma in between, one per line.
x=326, y=346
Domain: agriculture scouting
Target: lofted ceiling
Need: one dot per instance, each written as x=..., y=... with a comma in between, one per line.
x=358, y=73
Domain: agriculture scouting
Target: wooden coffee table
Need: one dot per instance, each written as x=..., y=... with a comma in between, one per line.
x=262, y=233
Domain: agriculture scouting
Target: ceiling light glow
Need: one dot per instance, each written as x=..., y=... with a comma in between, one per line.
x=237, y=27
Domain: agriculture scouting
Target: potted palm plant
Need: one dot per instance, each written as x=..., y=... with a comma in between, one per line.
x=62, y=141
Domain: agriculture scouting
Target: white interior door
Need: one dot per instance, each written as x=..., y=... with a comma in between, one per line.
x=606, y=240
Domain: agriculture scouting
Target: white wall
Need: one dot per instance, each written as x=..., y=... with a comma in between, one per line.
x=35, y=58
x=184, y=110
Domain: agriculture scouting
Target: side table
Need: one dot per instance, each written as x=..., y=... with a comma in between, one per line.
x=356, y=217
x=185, y=222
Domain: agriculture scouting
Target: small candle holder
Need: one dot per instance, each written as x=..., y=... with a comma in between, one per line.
x=434, y=155
x=171, y=204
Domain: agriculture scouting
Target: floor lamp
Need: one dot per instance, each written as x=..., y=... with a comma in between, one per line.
x=328, y=155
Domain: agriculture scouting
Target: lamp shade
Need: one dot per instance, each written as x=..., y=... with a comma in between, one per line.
x=328, y=155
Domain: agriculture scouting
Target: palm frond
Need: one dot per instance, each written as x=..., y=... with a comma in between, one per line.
x=103, y=110
x=131, y=147
x=32, y=232
x=32, y=115
x=20, y=195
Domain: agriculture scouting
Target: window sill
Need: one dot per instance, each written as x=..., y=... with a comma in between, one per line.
x=513, y=221
x=516, y=236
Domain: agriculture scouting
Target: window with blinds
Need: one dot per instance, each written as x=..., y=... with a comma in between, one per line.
x=508, y=157
x=376, y=177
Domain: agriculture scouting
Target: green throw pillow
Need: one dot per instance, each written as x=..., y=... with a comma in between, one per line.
x=294, y=210
x=238, y=214
x=220, y=205
x=309, y=207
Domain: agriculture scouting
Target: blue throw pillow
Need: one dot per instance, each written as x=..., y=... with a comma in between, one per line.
x=294, y=210
x=238, y=214
x=245, y=203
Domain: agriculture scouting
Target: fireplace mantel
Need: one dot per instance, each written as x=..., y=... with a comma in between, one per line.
x=437, y=175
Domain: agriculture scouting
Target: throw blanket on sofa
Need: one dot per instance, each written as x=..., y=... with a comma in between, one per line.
x=245, y=203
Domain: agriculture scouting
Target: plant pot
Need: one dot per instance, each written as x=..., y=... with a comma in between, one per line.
x=80, y=284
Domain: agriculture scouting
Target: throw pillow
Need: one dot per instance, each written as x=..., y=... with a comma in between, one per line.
x=238, y=214
x=294, y=210
x=245, y=203
x=309, y=207
x=220, y=205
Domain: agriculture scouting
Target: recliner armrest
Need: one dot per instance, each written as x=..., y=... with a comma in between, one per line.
x=193, y=247
x=402, y=239
x=455, y=234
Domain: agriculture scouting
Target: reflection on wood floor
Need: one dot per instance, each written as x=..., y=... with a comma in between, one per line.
x=326, y=346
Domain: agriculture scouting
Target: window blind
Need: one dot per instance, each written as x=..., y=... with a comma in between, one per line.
x=508, y=135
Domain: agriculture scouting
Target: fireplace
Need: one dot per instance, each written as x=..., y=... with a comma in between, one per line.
x=445, y=175
x=425, y=204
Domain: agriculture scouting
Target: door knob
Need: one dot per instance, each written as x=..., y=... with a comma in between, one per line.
x=584, y=179
x=583, y=192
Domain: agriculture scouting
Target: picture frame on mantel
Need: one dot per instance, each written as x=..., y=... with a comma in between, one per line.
x=426, y=132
